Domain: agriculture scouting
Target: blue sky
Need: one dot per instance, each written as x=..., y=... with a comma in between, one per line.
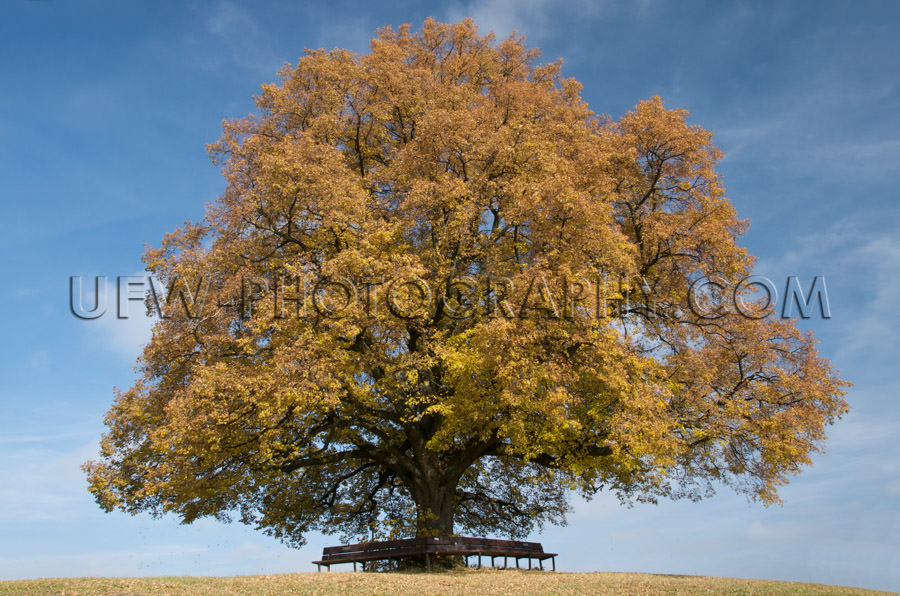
x=105, y=111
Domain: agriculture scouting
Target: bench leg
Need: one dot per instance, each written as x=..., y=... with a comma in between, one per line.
x=541, y=563
x=479, y=560
x=354, y=566
x=517, y=562
x=492, y=560
x=504, y=563
x=529, y=563
x=427, y=561
x=553, y=561
x=318, y=568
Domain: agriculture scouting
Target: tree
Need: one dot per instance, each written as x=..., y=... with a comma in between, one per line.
x=439, y=294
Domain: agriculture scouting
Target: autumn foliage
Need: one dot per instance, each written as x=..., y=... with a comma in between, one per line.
x=455, y=160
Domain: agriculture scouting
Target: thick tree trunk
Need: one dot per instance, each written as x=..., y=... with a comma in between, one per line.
x=435, y=508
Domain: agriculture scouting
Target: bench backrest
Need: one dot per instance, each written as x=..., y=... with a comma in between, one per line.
x=486, y=543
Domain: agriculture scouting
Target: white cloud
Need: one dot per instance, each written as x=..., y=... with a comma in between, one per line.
x=735, y=140
x=240, y=39
x=504, y=16
x=123, y=336
x=860, y=257
x=226, y=19
x=104, y=563
x=40, y=483
x=871, y=160
x=44, y=437
x=224, y=38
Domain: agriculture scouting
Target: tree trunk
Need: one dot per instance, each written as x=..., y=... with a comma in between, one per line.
x=435, y=508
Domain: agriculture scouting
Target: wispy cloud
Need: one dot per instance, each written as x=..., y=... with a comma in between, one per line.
x=126, y=336
x=221, y=38
x=104, y=563
x=240, y=39
x=860, y=256
x=504, y=16
x=44, y=483
x=45, y=437
x=873, y=160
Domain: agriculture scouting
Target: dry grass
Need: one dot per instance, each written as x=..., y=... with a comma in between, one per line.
x=468, y=582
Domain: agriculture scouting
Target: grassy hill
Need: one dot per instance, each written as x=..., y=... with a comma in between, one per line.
x=467, y=582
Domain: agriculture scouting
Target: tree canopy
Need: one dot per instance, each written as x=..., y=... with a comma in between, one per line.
x=438, y=294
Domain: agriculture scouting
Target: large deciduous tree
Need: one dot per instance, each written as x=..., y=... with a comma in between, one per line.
x=438, y=294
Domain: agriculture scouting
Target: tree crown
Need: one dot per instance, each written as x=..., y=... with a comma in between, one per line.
x=460, y=294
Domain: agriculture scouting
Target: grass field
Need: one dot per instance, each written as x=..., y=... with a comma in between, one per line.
x=468, y=582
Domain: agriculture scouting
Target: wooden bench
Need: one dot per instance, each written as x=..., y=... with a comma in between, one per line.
x=425, y=547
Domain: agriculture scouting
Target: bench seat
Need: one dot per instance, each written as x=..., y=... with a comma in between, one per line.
x=416, y=547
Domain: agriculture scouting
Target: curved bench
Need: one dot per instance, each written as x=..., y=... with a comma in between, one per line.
x=364, y=552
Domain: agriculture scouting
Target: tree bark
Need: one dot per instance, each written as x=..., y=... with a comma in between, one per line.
x=435, y=509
